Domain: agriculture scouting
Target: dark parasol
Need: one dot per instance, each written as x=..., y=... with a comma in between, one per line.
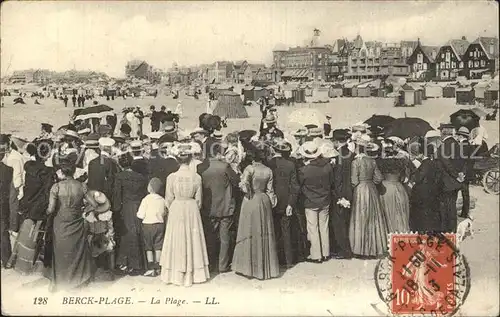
x=466, y=118
x=407, y=128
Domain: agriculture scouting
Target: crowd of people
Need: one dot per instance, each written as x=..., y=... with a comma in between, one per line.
x=184, y=206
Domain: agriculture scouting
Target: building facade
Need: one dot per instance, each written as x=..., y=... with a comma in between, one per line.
x=481, y=57
x=140, y=69
x=220, y=72
x=422, y=62
x=449, y=60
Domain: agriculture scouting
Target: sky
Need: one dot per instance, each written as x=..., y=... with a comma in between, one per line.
x=103, y=36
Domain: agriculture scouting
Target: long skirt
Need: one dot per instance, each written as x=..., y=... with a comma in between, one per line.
x=255, y=252
x=396, y=205
x=368, y=228
x=184, y=257
x=27, y=246
x=131, y=251
x=72, y=263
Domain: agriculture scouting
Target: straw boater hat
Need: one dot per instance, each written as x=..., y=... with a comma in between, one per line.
x=280, y=145
x=199, y=131
x=270, y=118
x=302, y=132
x=92, y=141
x=310, y=150
x=366, y=142
x=328, y=150
x=184, y=149
x=136, y=145
x=217, y=135
x=463, y=131
x=100, y=200
x=72, y=134
x=315, y=132
x=360, y=126
x=106, y=142
x=432, y=134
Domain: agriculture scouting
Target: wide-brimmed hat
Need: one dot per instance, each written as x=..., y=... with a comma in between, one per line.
x=199, y=131
x=360, y=126
x=183, y=149
x=463, y=131
x=99, y=199
x=280, y=145
x=341, y=135
x=155, y=135
x=92, y=141
x=315, y=132
x=328, y=150
x=302, y=132
x=108, y=142
x=270, y=118
x=366, y=142
x=310, y=150
x=72, y=134
x=136, y=145
x=432, y=134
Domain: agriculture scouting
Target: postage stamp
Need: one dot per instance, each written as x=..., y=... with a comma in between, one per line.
x=424, y=274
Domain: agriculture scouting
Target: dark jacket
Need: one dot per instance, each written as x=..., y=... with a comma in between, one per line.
x=7, y=192
x=451, y=163
x=141, y=165
x=276, y=133
x=218, y=180
x=316, y=181
x=343, y=187
x=38, y=182
x=207, y=146
x=285, y=184
x=102, y=172
x=160, y=168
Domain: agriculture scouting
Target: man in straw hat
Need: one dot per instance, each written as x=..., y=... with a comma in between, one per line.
x=270, y=132
x=454, y=168
x=139, y=163
x=316, y=178
x=202, y=137
x=287, y=190
x=218, y=206
x=103, y=169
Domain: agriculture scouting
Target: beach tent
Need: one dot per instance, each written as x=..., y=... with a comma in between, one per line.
x=433, y=90
x=449, y=91
x=464, y=95
x=491, y=94
x=320, y=95
x=407, y=95
x=347, y=88
x=335, y=91
x=299, y=95
x=308, y=91
x=480, y=88
x=230, y=105
x=251, y=93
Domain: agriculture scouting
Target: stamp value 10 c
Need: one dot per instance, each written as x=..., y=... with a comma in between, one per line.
x=424, y=274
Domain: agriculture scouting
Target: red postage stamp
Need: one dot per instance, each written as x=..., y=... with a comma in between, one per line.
x=426, y=275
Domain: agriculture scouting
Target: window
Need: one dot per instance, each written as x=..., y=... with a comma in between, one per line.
x=492, y=49
x=448, y=56
x=442, y=64
x=425, y=66
x=453, y=65
x=461, y=65
x=483, y=63
x=447, y=65
x=476, y=63
x=442, y=55
x=420, y=58
x=471, y=54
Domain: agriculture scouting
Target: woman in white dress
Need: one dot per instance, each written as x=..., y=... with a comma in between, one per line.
x=184, y=258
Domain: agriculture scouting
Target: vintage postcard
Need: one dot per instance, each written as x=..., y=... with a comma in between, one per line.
x=235, y=158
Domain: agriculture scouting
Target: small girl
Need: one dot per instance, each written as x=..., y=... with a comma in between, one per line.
x=152, y=211
x=234, y=152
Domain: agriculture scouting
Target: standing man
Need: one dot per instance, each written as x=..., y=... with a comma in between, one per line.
x=7, y=205
x=73, y=99
x=154, y=117
x=453, y=169
x=463, y=136
x=14, y=160
x=206, y=142
x=218, y=207
x=271, y=131
x=65, y=99
x=286, y=188
x=102, y=169
x=316, y=181
x=341, y=216
x=162, y=163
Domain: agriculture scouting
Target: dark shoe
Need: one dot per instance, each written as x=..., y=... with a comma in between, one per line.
x=342, y=257
x=325, y=258
x=313, y=261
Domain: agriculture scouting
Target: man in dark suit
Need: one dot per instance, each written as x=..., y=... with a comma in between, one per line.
x=206, y=142
x=161, y=164
x=286, y=188
x=271, y=132
x=102, y=169
x=453, y=167
x=8, y=196
x=467, y=151
x=341, y=216
x=218, y=205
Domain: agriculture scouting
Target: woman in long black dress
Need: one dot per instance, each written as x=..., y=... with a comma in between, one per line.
x=130, y=189
x=72, y=264
x=424, y=201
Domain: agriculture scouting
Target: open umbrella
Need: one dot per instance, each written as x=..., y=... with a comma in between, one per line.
x=407, y=128
x=97, y=112
x=377, y=123
x=466, y=118
x=306, y=116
